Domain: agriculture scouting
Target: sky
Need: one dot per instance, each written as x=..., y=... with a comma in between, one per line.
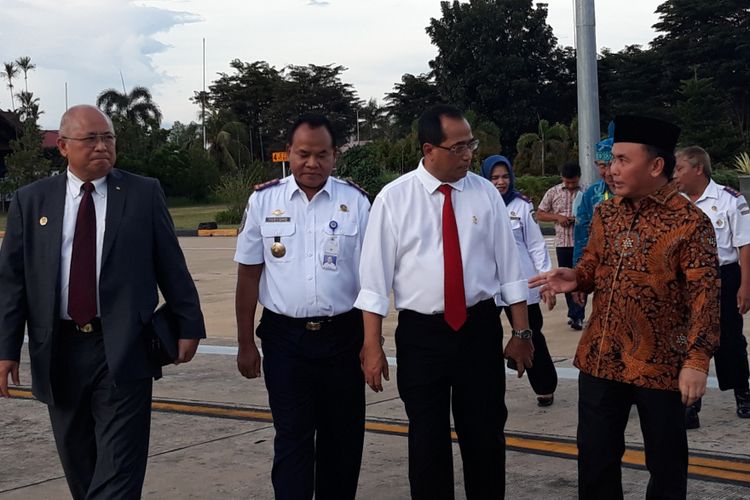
x=96, y=45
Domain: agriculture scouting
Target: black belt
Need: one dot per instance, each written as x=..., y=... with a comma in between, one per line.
x=731, y=265
x=312, y=324
x=92, y=327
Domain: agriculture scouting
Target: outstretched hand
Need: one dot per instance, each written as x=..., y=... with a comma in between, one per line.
x=560, y=280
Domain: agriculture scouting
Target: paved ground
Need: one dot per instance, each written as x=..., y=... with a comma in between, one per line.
x=212, y=436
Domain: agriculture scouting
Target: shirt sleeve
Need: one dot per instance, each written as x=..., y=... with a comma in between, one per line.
x=535, y=243
x=513, y=287
x=586, y=267
x=699, y=262
x=378, y=261
x=739, y=221
x=250, y=241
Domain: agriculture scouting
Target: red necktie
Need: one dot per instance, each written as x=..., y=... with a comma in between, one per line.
x=453, y=285
x=82, y=282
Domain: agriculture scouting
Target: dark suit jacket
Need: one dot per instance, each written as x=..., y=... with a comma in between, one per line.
x=140, y=252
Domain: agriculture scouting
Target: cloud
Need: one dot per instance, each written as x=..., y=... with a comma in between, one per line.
x=318, y=3
x=86, y=44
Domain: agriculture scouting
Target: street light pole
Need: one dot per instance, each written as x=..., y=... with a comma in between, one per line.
x=357, y=126
x=588, y=89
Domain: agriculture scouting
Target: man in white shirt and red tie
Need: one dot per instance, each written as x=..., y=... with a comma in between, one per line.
x=439, y=237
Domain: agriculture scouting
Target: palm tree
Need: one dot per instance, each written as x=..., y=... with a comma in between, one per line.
x=24, y=64
x=137, y=107
x=29, y=106
x=11, y=71
x=550, y=141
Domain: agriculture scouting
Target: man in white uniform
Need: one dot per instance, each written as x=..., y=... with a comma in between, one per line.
x=730, y=216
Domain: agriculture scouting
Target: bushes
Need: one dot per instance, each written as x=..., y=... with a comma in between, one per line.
x=535, y=186
x=234, y=188
x=727, y=178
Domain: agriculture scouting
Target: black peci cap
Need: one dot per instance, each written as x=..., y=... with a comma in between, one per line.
x=646, y=130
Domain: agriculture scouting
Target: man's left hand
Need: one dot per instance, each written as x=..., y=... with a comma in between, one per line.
x=522, y=352
x=743, y=299
x=692, y=385
x=186, y=348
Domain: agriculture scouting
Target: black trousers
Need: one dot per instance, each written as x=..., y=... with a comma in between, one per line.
x=101, y=427
x=565, y=259
x=317, y=396
x=436, y=367
x=603, y=410
x=542, y=376
x=731, y=357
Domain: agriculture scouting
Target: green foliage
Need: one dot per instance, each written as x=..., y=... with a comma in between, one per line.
x=362, y=164
x=500, y=58
x=535, y=186
x=727, y=177
x=543, y=152
x=234, y=189
x=742, y=163
x=409, y=99
x=26, y=163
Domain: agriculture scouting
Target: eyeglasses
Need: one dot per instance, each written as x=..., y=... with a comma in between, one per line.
x=459, y=149
x=92, y=140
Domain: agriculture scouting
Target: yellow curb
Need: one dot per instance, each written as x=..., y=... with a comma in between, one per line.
x=217, y=232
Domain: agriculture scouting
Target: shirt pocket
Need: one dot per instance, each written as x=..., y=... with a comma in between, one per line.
x=278, y=232
x=346, y=231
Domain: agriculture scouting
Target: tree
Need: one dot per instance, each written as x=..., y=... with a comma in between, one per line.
x=702, y=112
x=24, y=64
x=537, y=152
x=409, y=99
x=11, y=71
x=28, y=108
x=26, y=163
x=374, y=123
x=499, y=58
x=136, y=107
x=715, y=38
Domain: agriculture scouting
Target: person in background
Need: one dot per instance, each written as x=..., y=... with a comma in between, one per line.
x=532, y=251
x=557, y=207
x=730, y=217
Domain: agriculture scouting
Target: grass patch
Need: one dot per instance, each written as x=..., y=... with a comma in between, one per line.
x=189, y=217
x=3, y=217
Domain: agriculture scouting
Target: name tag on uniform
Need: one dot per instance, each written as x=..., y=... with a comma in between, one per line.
x=278, y=219
x=331, y=253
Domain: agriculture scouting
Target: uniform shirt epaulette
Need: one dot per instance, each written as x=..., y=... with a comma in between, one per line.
x=525, y=198
x=357, y=187
x=731, y=191
x=264, y=185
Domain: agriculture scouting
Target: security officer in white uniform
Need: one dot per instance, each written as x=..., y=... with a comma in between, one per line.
x=298, y=253
x=730, y=215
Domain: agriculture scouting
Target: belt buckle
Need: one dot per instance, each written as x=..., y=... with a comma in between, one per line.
x=313, y=326
x=87, y=328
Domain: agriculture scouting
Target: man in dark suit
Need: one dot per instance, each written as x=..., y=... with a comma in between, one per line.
x=80, y=263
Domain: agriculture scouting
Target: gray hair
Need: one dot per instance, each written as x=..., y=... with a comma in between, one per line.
x=696, y=155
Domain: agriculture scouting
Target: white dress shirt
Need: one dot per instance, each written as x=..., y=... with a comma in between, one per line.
x=305, y=282
x=72, y=202
x=532, y=249
x=730, y=217
x=403, y=247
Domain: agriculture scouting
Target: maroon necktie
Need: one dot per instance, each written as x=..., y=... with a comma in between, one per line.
x=82, y=282
x=453, y=284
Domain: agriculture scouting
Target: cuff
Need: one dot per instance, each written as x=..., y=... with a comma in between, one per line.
x=518, y=291
x=372, y=302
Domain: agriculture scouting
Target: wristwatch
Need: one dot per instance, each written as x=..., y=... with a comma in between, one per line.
x=522, y=334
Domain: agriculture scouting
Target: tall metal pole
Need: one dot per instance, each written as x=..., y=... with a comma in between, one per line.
x=588, y=89
x=203, y=97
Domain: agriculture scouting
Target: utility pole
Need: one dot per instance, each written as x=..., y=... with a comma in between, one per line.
x=588, y=89
x=203, y=97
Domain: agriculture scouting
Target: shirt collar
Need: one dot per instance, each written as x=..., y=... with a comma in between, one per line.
x=292, y=187
x=711, y=191
x=74, y=185
x=431, y=184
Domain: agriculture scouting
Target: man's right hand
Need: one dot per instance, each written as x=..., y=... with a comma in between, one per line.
x=8, y=367
x=560, y=280
x=374, y=364
x=248, y=360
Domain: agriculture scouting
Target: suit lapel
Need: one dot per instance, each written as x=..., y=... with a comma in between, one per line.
x=115, y=205
x=53, y=209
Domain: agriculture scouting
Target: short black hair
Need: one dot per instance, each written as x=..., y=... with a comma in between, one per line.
x=570, y=170
x=313, y=121
x=430, y=130
x=666, y=154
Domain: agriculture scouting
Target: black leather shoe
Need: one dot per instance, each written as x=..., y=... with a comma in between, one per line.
x=545, y=401
x=743, y=404
x=691, y=418
x=576, y=324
